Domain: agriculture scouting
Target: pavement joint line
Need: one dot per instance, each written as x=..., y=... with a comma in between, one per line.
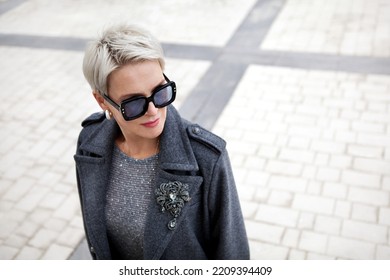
x=8, y=5
x=244, y=56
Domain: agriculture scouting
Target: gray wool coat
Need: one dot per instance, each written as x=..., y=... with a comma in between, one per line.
x=210, y=225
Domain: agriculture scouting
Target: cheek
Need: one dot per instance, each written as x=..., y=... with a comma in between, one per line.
x=163, y=115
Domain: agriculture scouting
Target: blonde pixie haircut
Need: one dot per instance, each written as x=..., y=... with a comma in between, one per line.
x=118, y=45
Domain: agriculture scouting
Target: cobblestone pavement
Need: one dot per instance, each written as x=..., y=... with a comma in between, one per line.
x=300, y=89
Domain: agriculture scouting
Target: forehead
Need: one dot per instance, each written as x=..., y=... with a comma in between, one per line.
x=138, y=78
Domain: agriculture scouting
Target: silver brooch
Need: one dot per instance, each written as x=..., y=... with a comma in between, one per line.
x=171, y=197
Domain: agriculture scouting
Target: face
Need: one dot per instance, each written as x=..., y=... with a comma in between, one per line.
x=132, y=80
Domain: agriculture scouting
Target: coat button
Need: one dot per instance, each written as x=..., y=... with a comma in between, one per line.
x=92, y=250
x=196, y=130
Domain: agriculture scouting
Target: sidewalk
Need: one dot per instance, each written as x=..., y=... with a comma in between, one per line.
x=300, y=90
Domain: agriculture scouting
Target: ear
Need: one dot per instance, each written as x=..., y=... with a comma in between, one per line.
x=100, y=100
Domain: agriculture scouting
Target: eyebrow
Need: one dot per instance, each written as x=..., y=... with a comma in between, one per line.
x=129, y=95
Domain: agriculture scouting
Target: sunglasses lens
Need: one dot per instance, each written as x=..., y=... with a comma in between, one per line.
x=164, y=96
x=134, y=108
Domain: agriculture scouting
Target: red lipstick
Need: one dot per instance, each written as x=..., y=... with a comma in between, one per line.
x=151, y=124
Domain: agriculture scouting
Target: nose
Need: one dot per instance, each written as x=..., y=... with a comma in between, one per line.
x=152, y=110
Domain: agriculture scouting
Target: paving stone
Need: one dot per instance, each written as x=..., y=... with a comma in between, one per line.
x=254, y=162
x=52, y=200
x=382, y=252
x=309, y=132
x=322, y=159
x=296, y=255
x=350, y=248
x=296, y=155
x=328, y=225
x=313, y=242
x=375, y=140
x=345, y=137
x=39, y=216
x=291, y=237
x=306, y=220
x=313, y=204
x=264, y=232
x=314, y=188
x=15, y=241
x=248, y=209
x=365, y=231
x=7, y=226
x=384, y=216
x=264, y=251
x=262, y=195
x=291, y=184
x=27, y=229
x=372, y=165
x=55, y=224
x=315, y=256
x=367, y=196
x=309, y=172
x=328, y=174
x=284, y=168
x=70, y=237
x=256, y=177
x=68, y=208
x=280, y=198
x=328, y=147
x=366, y=126
x=7, y=252
x=361, y=178
x=386, y=183
x=32, y=198
x=57, y=252
x=77, y=222
x=43, y=238
x=299, y=143
x=340, y=161
x=277, y=215
x=343, y=209
x=19, y=189
x=335, y=190
x=363, y=151
x=29, y=253
x=267, y=151
x=364, y=213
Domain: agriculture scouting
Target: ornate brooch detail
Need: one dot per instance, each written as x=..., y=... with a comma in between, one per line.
x=171, y=197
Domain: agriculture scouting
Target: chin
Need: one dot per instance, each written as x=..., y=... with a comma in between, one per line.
x=156, y=131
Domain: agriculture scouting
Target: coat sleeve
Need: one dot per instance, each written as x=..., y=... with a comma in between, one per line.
x=229, y=237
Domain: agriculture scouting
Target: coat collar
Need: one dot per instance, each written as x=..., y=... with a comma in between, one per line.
x=175, y=148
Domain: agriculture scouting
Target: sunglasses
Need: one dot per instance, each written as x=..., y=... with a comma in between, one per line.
x=136, y=106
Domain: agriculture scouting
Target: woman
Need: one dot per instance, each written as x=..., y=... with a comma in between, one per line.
x=151, y=185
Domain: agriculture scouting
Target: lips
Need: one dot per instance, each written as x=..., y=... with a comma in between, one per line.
x=151, y=123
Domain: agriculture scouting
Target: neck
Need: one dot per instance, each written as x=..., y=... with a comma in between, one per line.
x=138, y=149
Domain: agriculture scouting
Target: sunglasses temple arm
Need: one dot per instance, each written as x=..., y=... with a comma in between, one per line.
x=112, y=102
x=166, y=78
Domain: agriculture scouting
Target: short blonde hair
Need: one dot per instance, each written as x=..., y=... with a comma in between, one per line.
x=118, y=45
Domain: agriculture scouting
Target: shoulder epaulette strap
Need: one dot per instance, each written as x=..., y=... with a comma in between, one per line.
x=94, y=118
x=206, y=137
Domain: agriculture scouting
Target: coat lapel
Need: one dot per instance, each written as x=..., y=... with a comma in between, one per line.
x=177, y=163
x=93, y=175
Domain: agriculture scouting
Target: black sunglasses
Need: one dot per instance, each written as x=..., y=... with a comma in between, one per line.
x=136, y=106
